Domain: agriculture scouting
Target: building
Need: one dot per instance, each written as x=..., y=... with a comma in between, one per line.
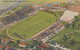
x=48, y=6
x=56, y=6
x=12, y=48
x=43, y=47
x=75, y=0
x=23, y=44
x=5, y=40
x=1, y=47
x=75, y=8
x=7, y=47
x=68, y=16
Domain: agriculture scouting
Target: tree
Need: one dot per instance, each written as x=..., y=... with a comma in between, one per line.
x=72, y=42
x=78, y=48
x=78, y=26
x=38, y=48
x=31, y=46
x=76, y=18
x=35, y=42
x=50, y=48
x=18, y=41
x=51, y=42
x=39, y=42
x=65, y=37
x=75, y=33
x=67, y=25
x=73, y=24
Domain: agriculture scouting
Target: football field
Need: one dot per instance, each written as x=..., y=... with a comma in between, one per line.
x=32, y=24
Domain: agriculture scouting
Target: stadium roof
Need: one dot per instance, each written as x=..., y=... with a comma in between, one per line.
x=68, y=16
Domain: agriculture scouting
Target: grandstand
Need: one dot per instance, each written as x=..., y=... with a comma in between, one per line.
x=18, y=16
x=51, y=29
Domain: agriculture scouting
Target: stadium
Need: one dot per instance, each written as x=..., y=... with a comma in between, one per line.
x=32, y=25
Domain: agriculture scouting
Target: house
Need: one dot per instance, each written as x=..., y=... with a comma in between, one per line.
x=5, y=40
x=46, y=44
x=43, y=47
x=68, y=16
x=56, y=6
x=37, y=5
x=12, y=48
x=1, y=47
x=75, y=8
x=7, y=47
x=65, y=6
x=48, y=6
x=75, y=0
x=23, y=44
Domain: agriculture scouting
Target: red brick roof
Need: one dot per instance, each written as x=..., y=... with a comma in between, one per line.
x=42, y=46
x=74, y=8
x=7, y=47
x=1, y=46
x=24, y=43
x=65, y=6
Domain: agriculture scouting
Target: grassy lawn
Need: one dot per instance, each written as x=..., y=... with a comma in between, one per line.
x=63, y=32
x=33, y=24
x=3, y=34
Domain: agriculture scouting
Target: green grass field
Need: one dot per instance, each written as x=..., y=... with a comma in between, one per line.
x=3, y=34
x=33, y=24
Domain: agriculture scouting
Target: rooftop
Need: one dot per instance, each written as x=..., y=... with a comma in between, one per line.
x=68, y=16
x=42, y=46
x=49, y=5
x=5, y=40
x=75, y=8
x=1, y=46
x=22, y=44
x=7, y=47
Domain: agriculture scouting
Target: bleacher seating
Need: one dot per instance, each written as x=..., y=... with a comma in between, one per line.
x=18, y=16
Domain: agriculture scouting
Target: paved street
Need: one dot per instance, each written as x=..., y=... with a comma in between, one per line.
x=10, y=8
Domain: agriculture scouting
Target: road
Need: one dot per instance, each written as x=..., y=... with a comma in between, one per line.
x=10, y=8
